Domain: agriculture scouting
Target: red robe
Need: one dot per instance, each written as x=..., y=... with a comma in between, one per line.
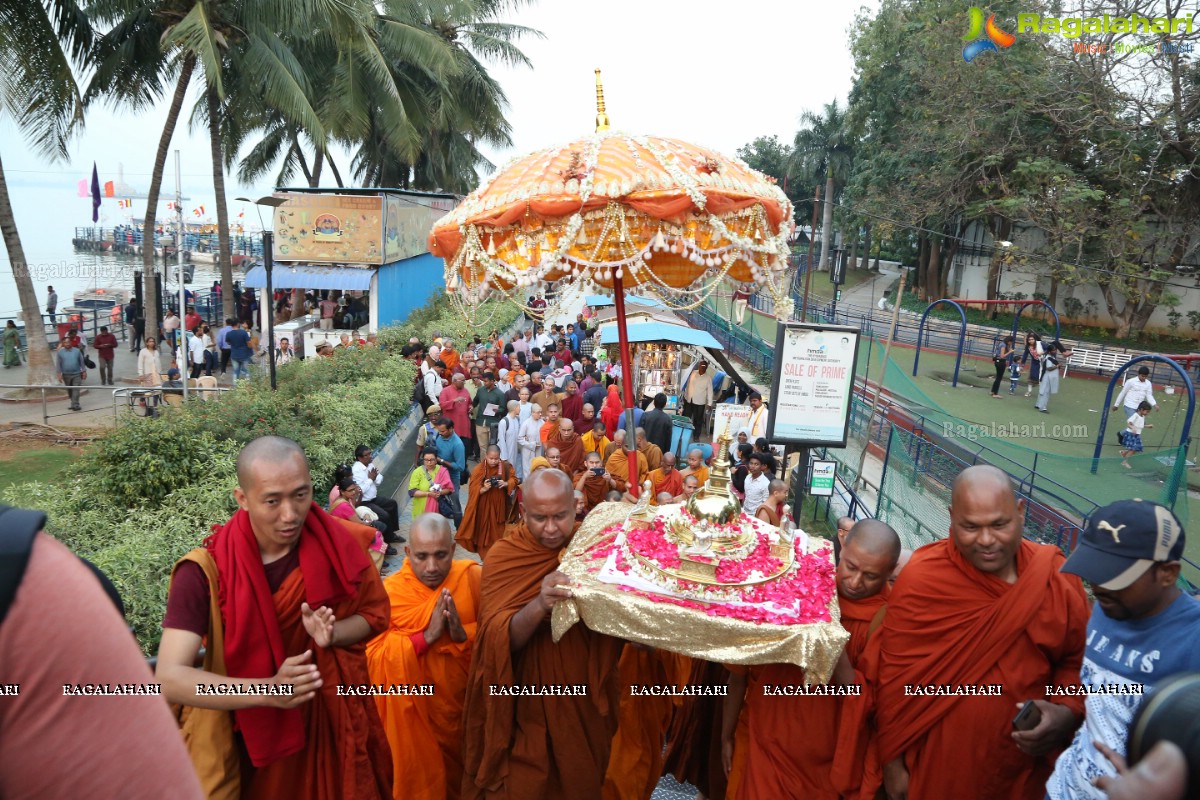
x=950, y=624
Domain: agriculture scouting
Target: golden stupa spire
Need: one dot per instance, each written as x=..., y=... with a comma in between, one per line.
x=601, y=117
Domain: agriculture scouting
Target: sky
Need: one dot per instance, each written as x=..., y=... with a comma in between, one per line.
x=716, y=74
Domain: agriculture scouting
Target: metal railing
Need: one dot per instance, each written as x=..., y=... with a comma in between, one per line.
x=53, y=392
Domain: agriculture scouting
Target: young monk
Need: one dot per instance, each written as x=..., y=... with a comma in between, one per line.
x=492, y=482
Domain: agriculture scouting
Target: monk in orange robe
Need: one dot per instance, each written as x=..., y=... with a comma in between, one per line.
x=570, y=447
x=984, y=607
x=695, y=466
x=636, y=764
x=594, y=485
x=651, y=451
x=550, y=426
x=618, y=466
x=665, y=479
x=694, y=738
x=793, y=738
x=487, y=505
x=296, y=599
x=435, y=605
x=519, y=746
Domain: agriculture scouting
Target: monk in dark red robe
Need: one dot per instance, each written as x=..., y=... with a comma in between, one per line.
x=572, y=407
x=570, y=447
x=983, y=608
x=488, y=491
x=297, y=600
x=793, y=739
x=593, y=485
x=516, y=745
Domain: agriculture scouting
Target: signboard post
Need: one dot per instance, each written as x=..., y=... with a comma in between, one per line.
x=731, y=417
x=812, y=390
x=821, y=484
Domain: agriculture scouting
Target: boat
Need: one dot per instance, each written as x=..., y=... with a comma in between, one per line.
x=101, y=298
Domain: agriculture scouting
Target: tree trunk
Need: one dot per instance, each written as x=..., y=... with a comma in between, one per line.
x=866, y=247
x=314, y=180
x=337, y=176
x=224, y=255
x=852, y=262
x=1000, y=232
x=149, y=272
x=922, y=260
x=302, y=161
x=41, y=365
x=932, y=269
x=947, y=264
x=826, y=225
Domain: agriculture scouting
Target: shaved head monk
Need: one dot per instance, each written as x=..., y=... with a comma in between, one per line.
x=487, y=505
x=982, y=609
x=793, y=738
x=435, y=608
x=520, y=742
x=298, y=597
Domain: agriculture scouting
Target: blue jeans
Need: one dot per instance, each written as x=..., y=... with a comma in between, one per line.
x=241, y=369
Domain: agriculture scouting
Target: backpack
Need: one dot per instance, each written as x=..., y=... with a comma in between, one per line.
x=419, y=395
x=18, y=527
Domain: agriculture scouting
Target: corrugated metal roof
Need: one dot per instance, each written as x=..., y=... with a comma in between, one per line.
x=662, y=332
x=308, y=276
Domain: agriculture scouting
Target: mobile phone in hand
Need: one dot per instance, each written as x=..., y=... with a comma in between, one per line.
x=1028, y=717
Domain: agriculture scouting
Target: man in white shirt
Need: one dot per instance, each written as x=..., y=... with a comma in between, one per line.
x=1134, y=392
x=433, y=380
x=698, y=395
x=368, y=479
x=758, y=418
x=758, y=482
x=543, y=339
x=195, y=343
x=762, y=467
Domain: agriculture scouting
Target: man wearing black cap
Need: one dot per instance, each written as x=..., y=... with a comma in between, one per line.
x=1134, y=392
x=1143, y=629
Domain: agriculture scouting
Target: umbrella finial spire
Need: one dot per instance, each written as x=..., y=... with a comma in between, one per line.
x=601, y=117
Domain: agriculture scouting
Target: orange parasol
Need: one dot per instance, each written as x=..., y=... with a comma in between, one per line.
x=618, y=210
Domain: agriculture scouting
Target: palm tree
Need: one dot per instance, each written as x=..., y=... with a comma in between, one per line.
x=824, y=150
x=40, y=42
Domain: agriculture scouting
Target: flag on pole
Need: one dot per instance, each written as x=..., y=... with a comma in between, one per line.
x=95, y=194
x=198, y=211
x=109, y=189
x=83, y=187
x=171, y=205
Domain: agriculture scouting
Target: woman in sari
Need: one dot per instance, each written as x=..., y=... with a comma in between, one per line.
x=611, y=411
x=427, y=483
x=344, y=507
x=12, y=345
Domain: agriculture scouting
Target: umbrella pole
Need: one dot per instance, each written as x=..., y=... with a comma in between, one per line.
x=626, y=386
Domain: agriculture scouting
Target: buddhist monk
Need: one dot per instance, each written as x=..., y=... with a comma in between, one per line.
x=983, y=608
x=905, y=555
x=545, y=397
x=520, y=745
x=651, y=451
x=695, y=466
x=594, y=440
x=693, y=752
x=617, y=443
x=492, y=482
x=618, y=466
x=690, y=487
x=435, y=605
x=793, y=738
x=553, y=418
x=570, y=447
x=297, y=600
x=572, y=403
x=666, y=478
x=593, y=482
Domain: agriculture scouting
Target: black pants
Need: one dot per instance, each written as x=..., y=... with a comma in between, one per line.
x=135, y=341
x=388, y=511
x=196, y=370
x=999, y=364
x=696, y=414
x=106, y=371
x=225, y=353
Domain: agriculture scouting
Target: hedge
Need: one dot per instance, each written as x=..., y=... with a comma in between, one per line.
x=145, y=493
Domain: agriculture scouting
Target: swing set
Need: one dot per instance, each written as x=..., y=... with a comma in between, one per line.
x=962, y=332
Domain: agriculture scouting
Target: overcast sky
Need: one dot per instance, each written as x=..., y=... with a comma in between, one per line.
x=717, y=74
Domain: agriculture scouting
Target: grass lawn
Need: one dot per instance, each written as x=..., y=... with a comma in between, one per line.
x=39, y=464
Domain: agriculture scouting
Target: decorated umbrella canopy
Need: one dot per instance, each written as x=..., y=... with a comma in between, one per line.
x=618, y=211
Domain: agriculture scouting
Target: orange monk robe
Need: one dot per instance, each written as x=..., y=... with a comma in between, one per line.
x=450, y=358
x=545, y=398
x=636, y=764
x=618, y=467
x=425, y=732
x=547, y=430
x=793, y=739
x=593, y=443
x=571, y=450
x=595, y=487
x=694, y=738
x=608, y=450
x=741, y=736
x=653, y=454
x=346, y=749
x=533, y=746
x=484, y=517
x=949, y=623
x=660, y=483
x=701, y=474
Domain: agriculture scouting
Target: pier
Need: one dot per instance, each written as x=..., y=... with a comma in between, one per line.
x=199, y=242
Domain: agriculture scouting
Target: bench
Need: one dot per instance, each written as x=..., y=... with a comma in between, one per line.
x=1103, y=361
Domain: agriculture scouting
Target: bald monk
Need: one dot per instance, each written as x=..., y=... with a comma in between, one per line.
x=298, y=599
x=636, y=764
x=553, y=417
x=617, y=443
x=983, y=607
x=594, y=440
x=618, y=467
x=593, y=482
x=651, y=451
x=487, y=503
x=695, y=466
x=523, y=746
x=435, y=605
x=793, y=739
x=545, y=397
x=666, y=479
x=905, y=555
x=570, y=447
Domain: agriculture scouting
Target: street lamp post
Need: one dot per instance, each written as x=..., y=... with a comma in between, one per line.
x=268, y=263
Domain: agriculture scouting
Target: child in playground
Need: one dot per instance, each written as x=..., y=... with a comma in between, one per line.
x=1034, y=352
x=1014, y=375
x=1131, y=437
